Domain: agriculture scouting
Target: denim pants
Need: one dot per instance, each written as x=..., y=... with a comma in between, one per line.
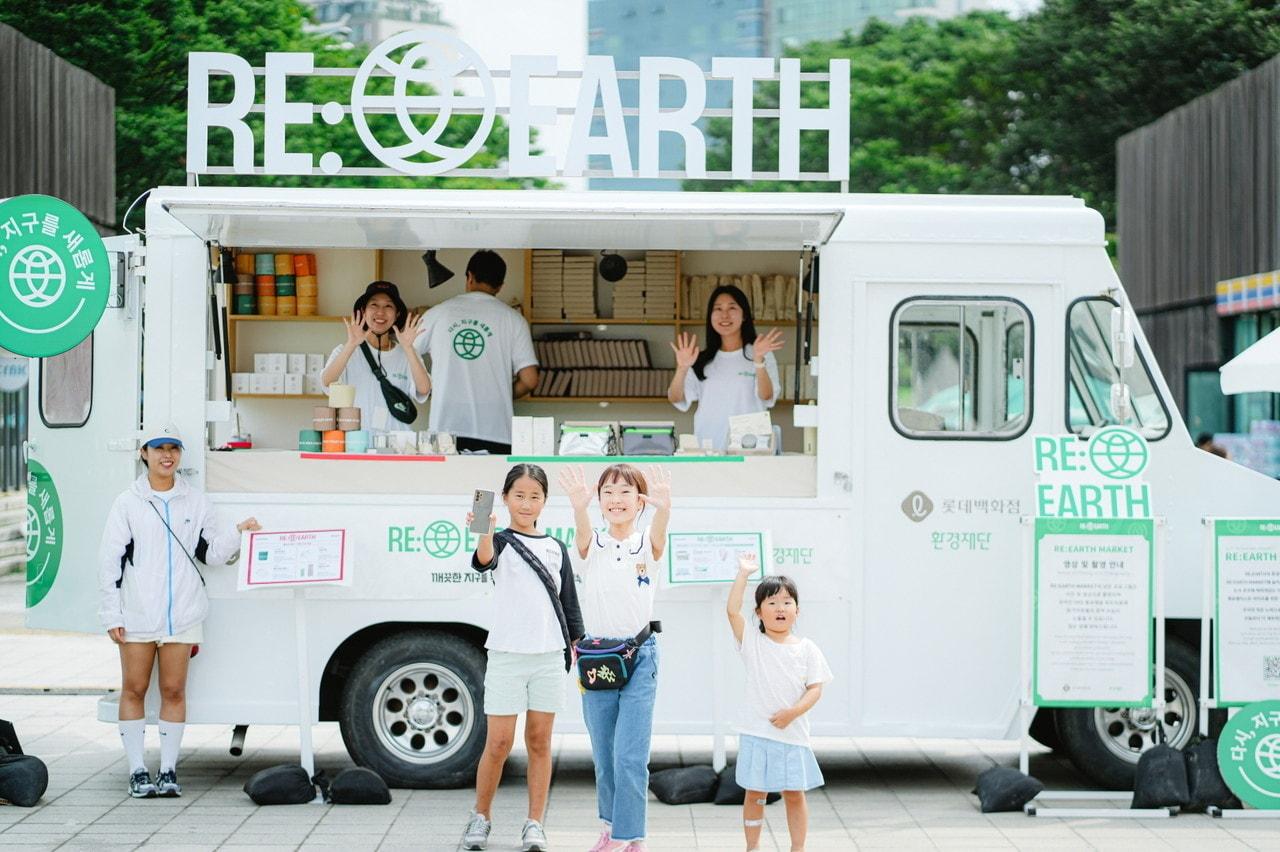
x=620, y=722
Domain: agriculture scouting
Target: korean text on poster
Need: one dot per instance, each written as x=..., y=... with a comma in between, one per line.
x=712, y=557
x=295, y=557
x=1093, y=610
x=1246, y=574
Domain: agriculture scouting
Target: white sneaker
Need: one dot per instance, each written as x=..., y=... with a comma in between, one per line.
x=533, y=838
x=477, y=834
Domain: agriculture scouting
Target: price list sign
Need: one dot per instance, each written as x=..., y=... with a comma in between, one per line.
x=1092, y=638
x=294, y=557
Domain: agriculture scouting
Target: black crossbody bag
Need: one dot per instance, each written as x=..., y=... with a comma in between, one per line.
x=398, y=402
x=550, y=585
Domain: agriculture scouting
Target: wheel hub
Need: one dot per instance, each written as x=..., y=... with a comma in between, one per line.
x=1143, y=718
x=423, y=713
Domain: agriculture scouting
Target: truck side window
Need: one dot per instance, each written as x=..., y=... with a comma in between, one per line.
x=961, y=368
x=1091, y=374
x=66, y=387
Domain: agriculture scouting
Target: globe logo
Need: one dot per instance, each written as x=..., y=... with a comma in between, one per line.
x=1267, y=756
x=468, y=344
x=1118, y=453
x=441, y=539
x=429, y=59
x=33, y=532
x=37, y=276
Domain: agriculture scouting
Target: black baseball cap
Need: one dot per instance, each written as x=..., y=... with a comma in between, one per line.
x=391, y=291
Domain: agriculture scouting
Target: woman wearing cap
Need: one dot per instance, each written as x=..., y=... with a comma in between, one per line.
x=381, y=324
x=153, y=602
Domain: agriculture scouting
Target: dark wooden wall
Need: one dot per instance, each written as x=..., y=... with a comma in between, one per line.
x=1198, y=201
x=57, y=130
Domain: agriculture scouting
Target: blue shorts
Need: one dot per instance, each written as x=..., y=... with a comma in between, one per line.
x=769, y=766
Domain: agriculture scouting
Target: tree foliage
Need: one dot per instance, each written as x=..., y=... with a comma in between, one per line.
x=140, y=47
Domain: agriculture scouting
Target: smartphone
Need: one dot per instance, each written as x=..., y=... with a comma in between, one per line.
x=481, y=509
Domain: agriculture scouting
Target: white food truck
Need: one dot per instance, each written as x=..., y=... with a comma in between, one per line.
x=952, y=330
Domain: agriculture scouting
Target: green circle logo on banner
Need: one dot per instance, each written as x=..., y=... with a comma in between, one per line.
x=1249, y=754
x=54, y=276
x=441, y=539
x=1118, y=452
x=468, y=344
x=44, y=532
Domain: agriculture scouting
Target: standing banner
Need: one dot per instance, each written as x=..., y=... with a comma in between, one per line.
x=1245, y=597
x=1094, y=588
x=1249, y=756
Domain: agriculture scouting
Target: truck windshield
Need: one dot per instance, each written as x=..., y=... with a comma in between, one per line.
x=1091, y=373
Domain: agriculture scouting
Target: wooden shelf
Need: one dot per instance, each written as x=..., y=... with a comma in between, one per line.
x=279, y=396
x=682, y=322
x=279, y=318
x=598, y=399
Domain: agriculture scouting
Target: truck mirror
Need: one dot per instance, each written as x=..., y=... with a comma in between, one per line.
x=1121, y=338
x=1121, y=402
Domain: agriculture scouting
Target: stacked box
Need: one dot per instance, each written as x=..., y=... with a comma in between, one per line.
x=628, y=294
x=660, y=285
x=548, y=284
x=580, y=287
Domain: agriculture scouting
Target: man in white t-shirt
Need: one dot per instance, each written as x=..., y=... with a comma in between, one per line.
x=477, y=344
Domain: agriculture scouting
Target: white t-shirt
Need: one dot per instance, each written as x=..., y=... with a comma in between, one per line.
x=477, y=343
x=778, y=673
x=728, y=390
x=619, y=579
x=524, y=620
x=369, y=398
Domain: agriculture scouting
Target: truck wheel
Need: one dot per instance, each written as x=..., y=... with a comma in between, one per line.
x=413, y=710
x=1044, y=730
x=1105, y=742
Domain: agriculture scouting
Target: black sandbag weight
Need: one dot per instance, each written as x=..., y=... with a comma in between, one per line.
x=1001, y=789
x=686, y=785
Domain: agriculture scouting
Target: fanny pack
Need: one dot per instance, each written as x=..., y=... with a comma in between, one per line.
x=399, y=403
x=605, y=663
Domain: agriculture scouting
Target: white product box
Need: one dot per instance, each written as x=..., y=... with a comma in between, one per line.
x=315, y=363
x=294, y=382
x=240, y=382
x=544, y=436
x=521, y=436
x=266, y=383
x=312, y=385
x=270, y=362
x=295, y=363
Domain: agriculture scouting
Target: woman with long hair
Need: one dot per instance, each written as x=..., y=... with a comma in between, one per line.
x=735, y=374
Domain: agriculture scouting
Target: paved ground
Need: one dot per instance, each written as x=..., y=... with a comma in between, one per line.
x=897, y=793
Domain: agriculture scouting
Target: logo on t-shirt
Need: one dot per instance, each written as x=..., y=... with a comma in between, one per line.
x=468, y=344
x=642, y=574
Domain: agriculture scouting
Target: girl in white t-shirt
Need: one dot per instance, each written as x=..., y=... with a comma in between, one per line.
x=785, y=674
x=536, y=621
x=735, y=374
x=621, y=570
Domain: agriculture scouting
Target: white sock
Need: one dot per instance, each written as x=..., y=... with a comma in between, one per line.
x=132, y=733
x=170, y=744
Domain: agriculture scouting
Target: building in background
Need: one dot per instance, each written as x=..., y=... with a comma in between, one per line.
x=370, y=22
x=796, y=22
x=1198, y=236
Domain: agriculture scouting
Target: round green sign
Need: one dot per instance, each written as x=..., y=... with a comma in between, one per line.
x=54, y=276
x=1118, y=453
x=441, y=539
x=468, y=344
x=1249, y=754
x=44, y=532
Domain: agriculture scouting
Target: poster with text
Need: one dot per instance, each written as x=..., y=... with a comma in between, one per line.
x=277, y=558
x=1092, y=613
x=712, y=557
x=1246, y=571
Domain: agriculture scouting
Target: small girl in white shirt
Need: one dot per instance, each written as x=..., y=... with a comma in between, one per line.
x=785, y=674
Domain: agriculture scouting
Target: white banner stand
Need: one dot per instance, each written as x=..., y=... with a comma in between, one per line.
x=1208, y=689
x=305, y=716
x=1034, y=808
x=719, y=652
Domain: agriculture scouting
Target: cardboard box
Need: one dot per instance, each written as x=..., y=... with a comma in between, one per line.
x=311, y=385
x=315, y=363
x=296, y=363
x=240, y=382
x=544, y=436
x=270, y=362
x=522, y=436
x=294, y=383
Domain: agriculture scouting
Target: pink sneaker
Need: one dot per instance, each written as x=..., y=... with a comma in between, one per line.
x=636, y=846
x=605, y=841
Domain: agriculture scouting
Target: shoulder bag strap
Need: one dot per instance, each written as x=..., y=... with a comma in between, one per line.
x=378, y=372
x=181, y=546
x=548, y=583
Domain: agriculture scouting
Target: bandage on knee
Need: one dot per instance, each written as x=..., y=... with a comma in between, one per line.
x=760, y=801
x=753, y=823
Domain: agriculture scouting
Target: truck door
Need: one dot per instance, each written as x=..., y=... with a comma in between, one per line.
x=947, y=460
x=81, y=449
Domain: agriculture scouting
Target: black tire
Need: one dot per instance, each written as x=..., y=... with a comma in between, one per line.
x=1105, y=743
x=1044, y=730
x=413, y=710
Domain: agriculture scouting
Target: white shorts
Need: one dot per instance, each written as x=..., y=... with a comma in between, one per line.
x=514, y=683
x=191, y=636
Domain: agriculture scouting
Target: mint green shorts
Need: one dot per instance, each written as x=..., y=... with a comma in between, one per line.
x=514, y=683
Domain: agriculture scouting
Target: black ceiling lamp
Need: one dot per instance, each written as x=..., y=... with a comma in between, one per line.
x=437, y=272
x=613, y=267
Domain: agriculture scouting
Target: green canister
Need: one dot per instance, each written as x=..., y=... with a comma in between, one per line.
x=246, y=305
x=286, y=285
x=309, y=440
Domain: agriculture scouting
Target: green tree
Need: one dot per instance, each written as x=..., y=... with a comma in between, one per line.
x=140, y=47
x=930, y=109
x=1093, y=70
